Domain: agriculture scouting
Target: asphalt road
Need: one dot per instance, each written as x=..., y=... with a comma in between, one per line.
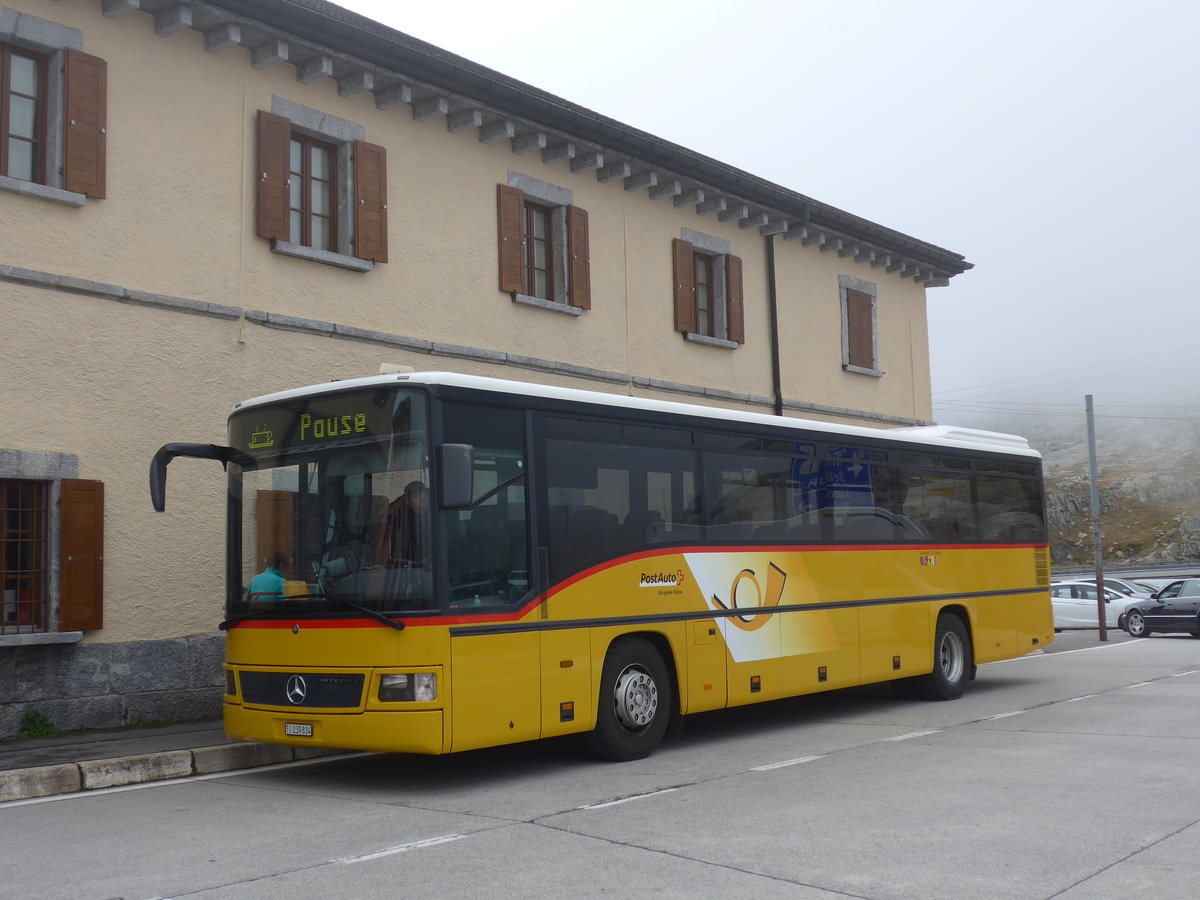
x=1070, y=773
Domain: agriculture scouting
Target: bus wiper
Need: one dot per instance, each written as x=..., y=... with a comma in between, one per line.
x=374, y=614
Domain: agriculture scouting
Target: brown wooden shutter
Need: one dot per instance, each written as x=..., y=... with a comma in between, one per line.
x=685, y=290
x=370, y=202
x=85, y=124
x=733, y=296
x=510, y=204
x=274, y=157
x=82, y=556
x=579, y=286
x=859, y=329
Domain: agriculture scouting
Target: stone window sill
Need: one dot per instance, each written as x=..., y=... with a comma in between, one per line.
x=299, y=251
x=526, y=300
x=41, y=191
x=707, y=341
x=29, y=640
x=875, y=373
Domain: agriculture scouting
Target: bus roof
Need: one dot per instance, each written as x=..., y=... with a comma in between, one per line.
x=937, y=435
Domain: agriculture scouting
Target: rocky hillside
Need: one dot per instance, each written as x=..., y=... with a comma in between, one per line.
x=1149, y=487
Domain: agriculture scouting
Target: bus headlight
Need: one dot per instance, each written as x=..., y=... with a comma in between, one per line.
x=420, y=687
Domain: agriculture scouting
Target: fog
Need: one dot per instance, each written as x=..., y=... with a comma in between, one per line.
x=1051, y=143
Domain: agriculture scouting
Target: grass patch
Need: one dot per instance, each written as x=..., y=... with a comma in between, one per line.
x=36, y=725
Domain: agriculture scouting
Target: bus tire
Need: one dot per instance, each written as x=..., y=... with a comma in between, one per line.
x=952, y=661
x=635, y=702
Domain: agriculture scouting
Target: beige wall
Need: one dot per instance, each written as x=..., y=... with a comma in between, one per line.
x=111, y=382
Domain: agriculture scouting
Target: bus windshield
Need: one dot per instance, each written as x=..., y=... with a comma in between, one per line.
x=334, y=514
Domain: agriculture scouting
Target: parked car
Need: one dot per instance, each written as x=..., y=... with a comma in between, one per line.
x=1074, y=604
x=1175, y=608
x=1129, y=587
x=1157, y=584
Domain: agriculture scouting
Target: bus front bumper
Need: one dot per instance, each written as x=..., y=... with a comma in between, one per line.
x=399, y=731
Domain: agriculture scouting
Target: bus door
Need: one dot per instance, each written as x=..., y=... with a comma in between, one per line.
x=495, y=685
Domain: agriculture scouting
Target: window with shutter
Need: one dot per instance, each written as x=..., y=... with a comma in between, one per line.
x=543, y=246
x=51, y=545
x=322, y=189
x=53, y=130
x=707, y=296
x=859, y=333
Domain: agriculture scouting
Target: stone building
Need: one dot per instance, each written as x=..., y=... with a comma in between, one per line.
x=206, y=201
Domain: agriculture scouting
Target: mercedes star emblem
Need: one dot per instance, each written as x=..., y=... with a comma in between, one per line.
x=296, y=689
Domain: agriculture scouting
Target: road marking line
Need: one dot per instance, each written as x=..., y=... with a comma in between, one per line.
x=627, y=799
x=1181, y=674
x=1084, y=697
x=915, y=734
x=401, y=848
x=785, y=763
x=1036, y=655
x=1015, y=712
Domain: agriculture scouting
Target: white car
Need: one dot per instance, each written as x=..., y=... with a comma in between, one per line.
x=1129, y=587
x=1074, y=605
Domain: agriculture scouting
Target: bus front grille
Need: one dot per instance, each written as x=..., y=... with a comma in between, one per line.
x=318, y=689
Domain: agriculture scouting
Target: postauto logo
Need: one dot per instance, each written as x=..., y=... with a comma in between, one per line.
x=662, y=579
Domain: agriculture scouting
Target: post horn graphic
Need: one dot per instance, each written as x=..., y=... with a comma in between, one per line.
x=776, y=578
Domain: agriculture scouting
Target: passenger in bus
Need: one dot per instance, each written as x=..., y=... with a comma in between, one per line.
x=267, y=585
x=409, y=525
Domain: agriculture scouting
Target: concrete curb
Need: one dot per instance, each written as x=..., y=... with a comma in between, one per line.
x=95, y=774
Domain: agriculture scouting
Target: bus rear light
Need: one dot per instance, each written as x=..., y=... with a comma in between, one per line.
x=230, y=683
x=420, y=687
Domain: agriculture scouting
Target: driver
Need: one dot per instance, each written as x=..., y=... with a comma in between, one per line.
x=267, y=585
x=409, y=524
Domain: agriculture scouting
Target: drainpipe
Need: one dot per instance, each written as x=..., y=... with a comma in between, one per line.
x=776, y=374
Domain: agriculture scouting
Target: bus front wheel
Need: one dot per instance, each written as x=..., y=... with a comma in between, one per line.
x=635, y=702
x=951, y=661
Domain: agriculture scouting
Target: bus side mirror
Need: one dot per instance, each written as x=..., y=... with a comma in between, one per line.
x=457, y=465
x=167, y=452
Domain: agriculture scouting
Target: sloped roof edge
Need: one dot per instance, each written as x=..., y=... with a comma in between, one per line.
x=355, y=35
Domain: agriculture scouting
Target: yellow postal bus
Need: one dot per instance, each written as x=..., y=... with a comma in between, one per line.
x=432, y=562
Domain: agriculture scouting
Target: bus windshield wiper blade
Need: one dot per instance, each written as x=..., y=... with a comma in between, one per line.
x=233, y=620
x=374, y=614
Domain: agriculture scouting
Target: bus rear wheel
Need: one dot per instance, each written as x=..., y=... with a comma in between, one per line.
x=635, y=702
x=951, y=661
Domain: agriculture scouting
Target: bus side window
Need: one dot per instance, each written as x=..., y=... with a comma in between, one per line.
x=606, y=499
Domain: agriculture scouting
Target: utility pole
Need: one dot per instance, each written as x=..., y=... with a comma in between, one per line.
x=1097, y=543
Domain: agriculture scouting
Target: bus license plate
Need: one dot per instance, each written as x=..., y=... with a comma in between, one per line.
x=292, y=729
